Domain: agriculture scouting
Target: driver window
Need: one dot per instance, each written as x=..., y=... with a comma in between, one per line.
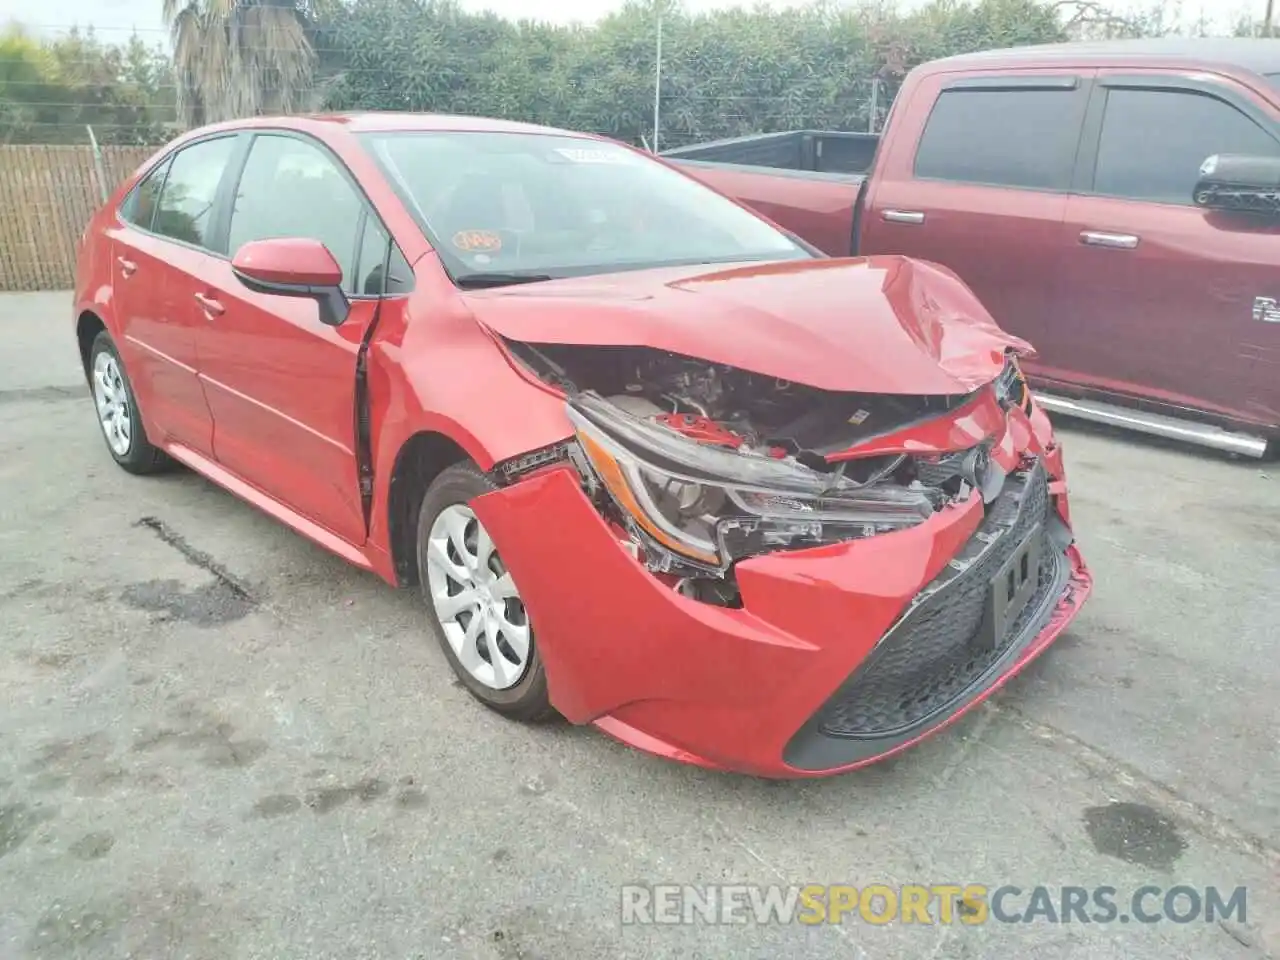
x=1154, y=141
x=292, y=188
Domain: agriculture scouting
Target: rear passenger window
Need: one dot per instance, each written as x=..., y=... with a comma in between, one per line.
x=1009, y=138
x=185, y=209
x=1154, y=141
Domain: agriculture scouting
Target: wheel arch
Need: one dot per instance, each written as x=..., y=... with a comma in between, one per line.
x=418, y=461
x=88, y=325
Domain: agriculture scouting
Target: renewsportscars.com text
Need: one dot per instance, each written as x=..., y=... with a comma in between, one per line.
x=969, y=904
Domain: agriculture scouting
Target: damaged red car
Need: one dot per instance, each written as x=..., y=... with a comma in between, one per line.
x=654, y=463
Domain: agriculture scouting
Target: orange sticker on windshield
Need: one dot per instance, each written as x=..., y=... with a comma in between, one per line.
x=477, y=241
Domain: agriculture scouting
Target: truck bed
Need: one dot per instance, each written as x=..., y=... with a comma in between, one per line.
x=821, y=208
x=806, y=181
x=814, y=151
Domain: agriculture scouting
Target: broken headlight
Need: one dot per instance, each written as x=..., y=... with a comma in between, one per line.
x=1011, y=386
x=714, y=506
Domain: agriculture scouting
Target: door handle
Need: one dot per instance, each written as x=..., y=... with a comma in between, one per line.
x=127, y=267
x=1116, y=241
x=211, y=306
x=902, y=216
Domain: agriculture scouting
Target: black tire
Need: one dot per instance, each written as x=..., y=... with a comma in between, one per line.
x=526, y=700
x=141, y=457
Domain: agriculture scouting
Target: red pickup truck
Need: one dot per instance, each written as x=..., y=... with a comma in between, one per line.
x=1116, y=204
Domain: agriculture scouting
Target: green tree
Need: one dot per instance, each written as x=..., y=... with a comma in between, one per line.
x=27, y=96
x=725, y=73
x=51, y=90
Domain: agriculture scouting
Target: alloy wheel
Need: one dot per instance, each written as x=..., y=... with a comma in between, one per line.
x=476, y=600
x=112, y=400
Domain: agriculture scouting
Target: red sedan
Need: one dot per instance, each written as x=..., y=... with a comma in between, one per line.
x=654, y=463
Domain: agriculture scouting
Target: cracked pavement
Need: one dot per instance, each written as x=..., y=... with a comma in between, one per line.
x=218, y=741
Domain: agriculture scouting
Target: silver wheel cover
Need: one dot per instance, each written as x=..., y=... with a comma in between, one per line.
x=112, y=401
x=476, y=600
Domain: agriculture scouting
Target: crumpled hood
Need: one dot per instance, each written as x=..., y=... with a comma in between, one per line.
x=875, y=325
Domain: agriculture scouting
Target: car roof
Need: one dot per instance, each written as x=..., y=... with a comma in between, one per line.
x=1241, y=53
x=378, y=122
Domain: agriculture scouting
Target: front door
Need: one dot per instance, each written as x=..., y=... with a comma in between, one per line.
x=280, y=383
x=979, y=182
x=1160, y=295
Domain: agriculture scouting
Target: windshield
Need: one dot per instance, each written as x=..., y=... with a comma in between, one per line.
x=507, y=207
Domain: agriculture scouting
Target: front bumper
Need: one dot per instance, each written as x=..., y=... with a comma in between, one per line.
x=840, y=655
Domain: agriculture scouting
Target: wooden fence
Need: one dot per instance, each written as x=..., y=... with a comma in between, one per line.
x=47, y=195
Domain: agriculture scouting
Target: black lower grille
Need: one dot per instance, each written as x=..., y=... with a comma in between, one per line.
x=934, y=653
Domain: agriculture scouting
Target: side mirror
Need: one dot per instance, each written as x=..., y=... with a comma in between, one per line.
x=1239, y=184
x=294, y=268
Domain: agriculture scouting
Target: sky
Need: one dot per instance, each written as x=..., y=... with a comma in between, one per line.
x=115, y=19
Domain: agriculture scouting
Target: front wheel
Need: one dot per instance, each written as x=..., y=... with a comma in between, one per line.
x=473, y=601
x=117, y=409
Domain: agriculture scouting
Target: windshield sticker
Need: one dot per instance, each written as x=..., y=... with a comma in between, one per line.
x=582, y=155
x=477, y=241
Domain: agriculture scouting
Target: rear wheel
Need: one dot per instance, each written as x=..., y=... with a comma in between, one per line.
x=473, y=602
x=117, y=409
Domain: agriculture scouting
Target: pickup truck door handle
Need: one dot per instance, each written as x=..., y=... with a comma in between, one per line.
x=211, y=306
x=127, y=267
x=902, y=216
x=1117, y=241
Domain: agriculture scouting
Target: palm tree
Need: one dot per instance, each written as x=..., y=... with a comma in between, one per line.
x=237, y=58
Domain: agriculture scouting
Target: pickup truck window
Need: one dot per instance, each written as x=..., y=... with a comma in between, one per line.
x=1007, y=138
x=1154, y=141
x=544, y=205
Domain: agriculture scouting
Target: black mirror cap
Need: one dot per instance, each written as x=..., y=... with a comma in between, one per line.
x=1239, y=184
x=332, y=301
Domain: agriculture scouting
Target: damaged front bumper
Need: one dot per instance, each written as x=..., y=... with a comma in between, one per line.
x=839, y=655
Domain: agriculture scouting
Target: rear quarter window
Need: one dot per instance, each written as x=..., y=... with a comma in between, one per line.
x=1024, y=138
x=139, y=207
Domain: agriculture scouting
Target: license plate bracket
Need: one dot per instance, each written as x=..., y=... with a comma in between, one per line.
x=1011, y=589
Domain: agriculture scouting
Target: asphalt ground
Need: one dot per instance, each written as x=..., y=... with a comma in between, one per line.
x=218, y=741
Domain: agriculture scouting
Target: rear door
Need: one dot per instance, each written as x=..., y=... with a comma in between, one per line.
x=167, y=222
x=978, y=182
x=1160, y=294
x=281, y=384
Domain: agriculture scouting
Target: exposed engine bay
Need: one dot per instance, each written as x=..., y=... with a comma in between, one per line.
x=696, y=397
x=706, y=464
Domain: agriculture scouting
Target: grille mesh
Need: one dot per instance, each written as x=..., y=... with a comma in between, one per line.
x=930, y=657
